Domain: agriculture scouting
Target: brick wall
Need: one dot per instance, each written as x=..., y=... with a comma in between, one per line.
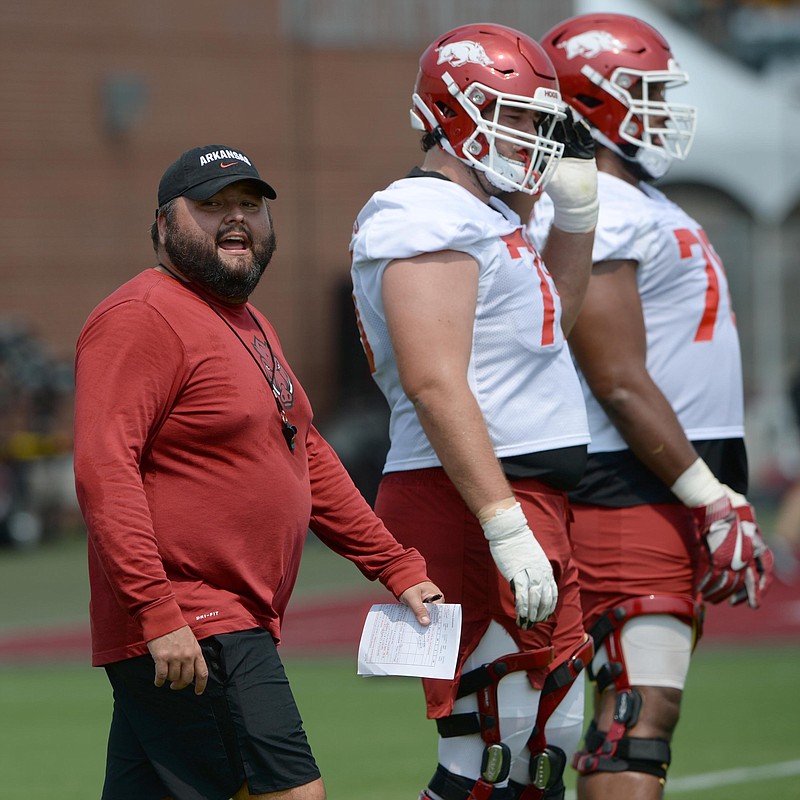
x=326, y=127
x=77, y=198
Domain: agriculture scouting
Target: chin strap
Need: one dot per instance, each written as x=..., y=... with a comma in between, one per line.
x=644, y=164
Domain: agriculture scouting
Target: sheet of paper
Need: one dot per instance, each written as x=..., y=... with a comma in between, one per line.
x=394, y=643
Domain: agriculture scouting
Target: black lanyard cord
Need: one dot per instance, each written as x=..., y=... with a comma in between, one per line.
x=289, y=431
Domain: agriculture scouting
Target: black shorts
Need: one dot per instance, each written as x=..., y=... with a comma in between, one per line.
x=245, y=727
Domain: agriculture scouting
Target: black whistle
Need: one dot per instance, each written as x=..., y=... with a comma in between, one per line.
x=290, y=434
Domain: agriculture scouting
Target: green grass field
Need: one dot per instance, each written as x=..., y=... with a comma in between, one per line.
x=741, y=710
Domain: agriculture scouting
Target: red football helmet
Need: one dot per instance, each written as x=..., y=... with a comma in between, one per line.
x=613, y=70
x=466, y=77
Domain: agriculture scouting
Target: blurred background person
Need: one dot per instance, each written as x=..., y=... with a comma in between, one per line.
x=787, y=518
x=37, y=491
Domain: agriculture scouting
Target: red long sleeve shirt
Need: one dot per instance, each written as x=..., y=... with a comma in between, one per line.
x=196, y=509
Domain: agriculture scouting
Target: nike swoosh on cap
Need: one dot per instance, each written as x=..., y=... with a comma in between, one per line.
x=232, y=164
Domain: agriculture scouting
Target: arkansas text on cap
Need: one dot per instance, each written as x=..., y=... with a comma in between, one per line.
x=202, y=171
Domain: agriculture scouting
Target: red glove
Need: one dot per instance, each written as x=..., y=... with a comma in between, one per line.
x=758, y=573
x=728, y=551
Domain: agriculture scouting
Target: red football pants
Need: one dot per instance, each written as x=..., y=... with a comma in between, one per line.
x=424, y=510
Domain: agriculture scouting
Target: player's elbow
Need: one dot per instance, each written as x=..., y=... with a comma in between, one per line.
x=614, y=392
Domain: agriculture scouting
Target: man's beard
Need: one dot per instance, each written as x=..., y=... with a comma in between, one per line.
x=198, y=260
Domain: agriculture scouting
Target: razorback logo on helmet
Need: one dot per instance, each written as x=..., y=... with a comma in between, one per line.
x=456, y=54
x=591, y=44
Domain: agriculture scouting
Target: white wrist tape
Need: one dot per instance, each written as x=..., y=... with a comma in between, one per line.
x=521, y=561
x=513, y=545
x=573, y=190
x=697, y=486
x=505, y=523
x=491, y=510
x=737, y=500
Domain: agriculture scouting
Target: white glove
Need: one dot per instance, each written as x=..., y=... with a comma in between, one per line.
x=523, y=563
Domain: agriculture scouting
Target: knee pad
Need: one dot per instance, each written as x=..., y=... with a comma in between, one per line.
x=655, y=634
x=547, y=773
x=564, y=728
x=463, y=753
x=546, y=777
x=646, y=641
x=490, y=711
x=445, y=785
x=546, y=764
x=557, y=732
x=628, y=754
x=463, y=741
x=655, y=651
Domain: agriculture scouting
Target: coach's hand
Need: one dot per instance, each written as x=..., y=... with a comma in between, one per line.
x=416, y=596
x=522, y=562
x=179, y=660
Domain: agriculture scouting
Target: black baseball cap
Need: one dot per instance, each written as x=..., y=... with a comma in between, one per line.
x=202, y=171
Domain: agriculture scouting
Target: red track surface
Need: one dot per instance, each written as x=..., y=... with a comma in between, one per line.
x=334, y=627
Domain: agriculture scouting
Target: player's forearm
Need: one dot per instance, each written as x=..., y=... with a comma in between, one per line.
x=568, y=257
x=455, y=427
x=650, y=427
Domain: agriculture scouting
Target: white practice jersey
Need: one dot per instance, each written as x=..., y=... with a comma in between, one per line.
x=693, y=350
x=520, y=370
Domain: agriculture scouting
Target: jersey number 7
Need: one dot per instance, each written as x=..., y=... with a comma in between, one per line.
x=687, y=238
